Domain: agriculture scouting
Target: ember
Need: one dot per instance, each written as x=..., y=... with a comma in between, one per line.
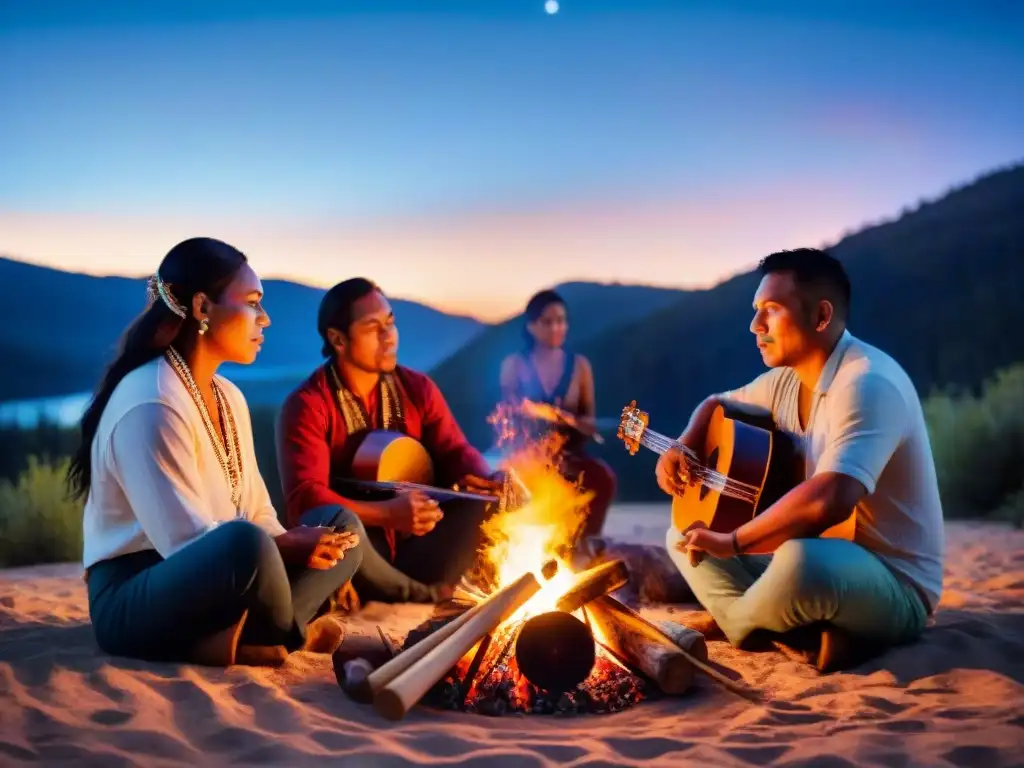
x=501, y=687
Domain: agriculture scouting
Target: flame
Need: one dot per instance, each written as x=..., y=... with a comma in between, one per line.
x=540, y=525
x=522, y=539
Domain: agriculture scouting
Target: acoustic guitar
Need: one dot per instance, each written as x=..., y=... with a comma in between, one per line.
x=749, y=465
x=388, y=462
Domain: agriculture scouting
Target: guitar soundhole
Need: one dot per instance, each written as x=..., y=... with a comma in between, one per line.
x=711, y=463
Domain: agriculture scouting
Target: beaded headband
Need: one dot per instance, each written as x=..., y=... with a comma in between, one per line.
x=157, y=288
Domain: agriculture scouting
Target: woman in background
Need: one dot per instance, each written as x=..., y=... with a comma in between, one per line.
x=185, y=558
x=545, y=373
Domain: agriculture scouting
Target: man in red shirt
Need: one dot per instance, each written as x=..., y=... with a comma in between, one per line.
x=418, y=549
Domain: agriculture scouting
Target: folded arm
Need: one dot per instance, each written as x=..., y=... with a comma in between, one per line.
x=256, y=503
x=870, y=425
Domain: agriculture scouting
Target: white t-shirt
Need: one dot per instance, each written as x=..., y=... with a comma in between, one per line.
x=866, y=421
x=156, y=481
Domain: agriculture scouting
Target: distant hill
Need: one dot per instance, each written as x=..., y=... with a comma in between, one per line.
x=61, y=329
x=939, y=289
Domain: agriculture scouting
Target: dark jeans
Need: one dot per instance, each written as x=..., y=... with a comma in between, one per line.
x=146, y=607
x=441, y=556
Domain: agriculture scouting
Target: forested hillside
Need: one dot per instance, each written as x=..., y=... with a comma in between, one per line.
x=939, y=289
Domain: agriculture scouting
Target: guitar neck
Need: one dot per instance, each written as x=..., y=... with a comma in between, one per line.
x=657, y=442
x=439, y=494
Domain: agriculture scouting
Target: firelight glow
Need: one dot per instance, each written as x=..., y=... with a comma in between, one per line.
x=521, y=540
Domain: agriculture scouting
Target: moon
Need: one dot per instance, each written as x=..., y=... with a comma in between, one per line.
x=551, y=6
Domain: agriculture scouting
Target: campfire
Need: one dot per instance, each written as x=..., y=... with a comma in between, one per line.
x=527, y=633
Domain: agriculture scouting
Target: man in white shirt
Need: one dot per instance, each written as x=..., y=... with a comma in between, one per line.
x=856, y=418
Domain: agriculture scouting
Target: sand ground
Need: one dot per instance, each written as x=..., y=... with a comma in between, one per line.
x=954, y=698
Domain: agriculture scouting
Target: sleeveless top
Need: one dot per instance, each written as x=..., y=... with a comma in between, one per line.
x=566, y=386
x=565, y=395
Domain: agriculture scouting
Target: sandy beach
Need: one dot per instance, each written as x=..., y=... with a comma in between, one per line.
x=955, y=698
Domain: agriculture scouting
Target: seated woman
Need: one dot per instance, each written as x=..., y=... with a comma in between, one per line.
x=185, y=558
x=545, y=373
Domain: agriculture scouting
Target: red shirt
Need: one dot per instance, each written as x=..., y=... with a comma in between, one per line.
x=312, y=438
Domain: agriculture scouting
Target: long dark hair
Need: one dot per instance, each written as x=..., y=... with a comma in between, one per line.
x=198, y=265
x=534, y=309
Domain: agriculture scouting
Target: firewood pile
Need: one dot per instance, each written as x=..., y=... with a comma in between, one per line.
x=493, y=655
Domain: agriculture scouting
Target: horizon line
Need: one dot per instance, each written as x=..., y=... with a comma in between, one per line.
x=837, y=240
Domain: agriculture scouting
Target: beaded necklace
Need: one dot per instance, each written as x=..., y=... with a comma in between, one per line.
x=226, y=447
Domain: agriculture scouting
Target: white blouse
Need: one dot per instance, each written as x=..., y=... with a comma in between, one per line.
x=156, y=481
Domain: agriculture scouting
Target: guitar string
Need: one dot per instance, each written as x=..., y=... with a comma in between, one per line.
x=663, y=443
x=717, y=480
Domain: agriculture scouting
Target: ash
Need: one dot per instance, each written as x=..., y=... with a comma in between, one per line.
x=499, y=688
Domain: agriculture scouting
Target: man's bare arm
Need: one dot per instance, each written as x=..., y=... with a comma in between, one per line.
x=808, y=510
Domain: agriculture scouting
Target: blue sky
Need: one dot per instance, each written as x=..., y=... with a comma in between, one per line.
x=665, y=142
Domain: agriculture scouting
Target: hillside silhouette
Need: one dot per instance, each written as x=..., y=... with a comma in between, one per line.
x=63, y=328
x=939, y=289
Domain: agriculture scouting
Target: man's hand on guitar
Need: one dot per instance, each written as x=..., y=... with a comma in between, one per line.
x=414, y=513
x=314, y=546
x=672, y=472
x=700, y=542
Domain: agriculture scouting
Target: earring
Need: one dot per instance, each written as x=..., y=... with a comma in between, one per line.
x=204, y=326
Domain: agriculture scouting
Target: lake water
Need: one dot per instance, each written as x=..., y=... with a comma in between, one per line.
x=67, y=410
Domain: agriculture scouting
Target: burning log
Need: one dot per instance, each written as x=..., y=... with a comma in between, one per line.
x=555, y=651
x=401, y=692
x=592, y=584
x=367, y=689
x=690, y=640
x=642, y=645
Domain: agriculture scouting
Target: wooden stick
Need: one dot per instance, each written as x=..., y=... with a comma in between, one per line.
x=389, y=646
x=636, y=641
x=689, y=640
x=463, y=596
x=640, y=644
x=388, y=671
x=474, y=667
x=402, y=692
x=593, y=583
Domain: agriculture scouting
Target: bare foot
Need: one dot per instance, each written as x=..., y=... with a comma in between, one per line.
x=324, y=635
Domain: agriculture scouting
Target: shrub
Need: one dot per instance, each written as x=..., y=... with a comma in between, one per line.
x=38, y=523
x=978, y=444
